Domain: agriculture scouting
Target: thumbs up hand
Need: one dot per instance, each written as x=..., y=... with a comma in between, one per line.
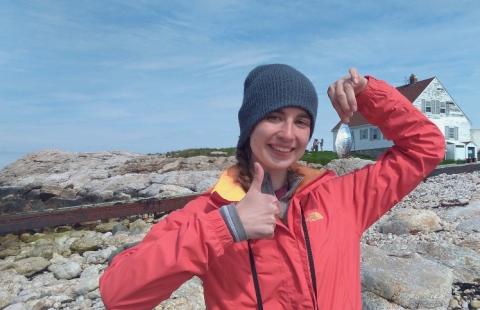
x=258, y=211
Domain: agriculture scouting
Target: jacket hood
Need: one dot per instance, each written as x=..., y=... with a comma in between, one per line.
x=228, y=189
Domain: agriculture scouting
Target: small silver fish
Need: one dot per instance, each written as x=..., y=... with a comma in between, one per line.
x=343, y=141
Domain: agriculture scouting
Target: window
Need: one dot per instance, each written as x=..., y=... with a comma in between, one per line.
x=374, y=134
x=443, y=108
x=364, y=134
x=451, y=133
x=428, y=106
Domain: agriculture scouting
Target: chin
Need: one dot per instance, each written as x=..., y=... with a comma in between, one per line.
x=279, y=165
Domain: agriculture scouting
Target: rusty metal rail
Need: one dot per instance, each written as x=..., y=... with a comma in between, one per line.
x=455, y=169
x=85, y=213
x=72, y=215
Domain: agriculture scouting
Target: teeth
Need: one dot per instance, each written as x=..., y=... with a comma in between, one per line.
x=281, y=149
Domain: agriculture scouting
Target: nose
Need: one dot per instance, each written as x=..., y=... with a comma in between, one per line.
x=287, y=130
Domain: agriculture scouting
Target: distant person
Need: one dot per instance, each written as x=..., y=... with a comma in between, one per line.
x=315, y=145
x=274, y=234
x=321, y=144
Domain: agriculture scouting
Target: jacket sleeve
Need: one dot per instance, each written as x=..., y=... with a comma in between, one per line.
x=418, y=148
x=173, y=251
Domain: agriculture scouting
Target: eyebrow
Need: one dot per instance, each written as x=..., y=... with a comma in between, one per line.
x=302, y=114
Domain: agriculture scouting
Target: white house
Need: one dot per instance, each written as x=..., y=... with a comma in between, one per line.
x=430, y=97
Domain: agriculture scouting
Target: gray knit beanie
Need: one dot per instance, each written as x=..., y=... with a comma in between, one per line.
x=268, y=88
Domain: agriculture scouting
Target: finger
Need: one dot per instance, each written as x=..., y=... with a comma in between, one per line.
x=354, y=75
x=257, y=177
x=341, y=97
x=351, y=99
x=339, y=111
x=277, y=209
x=331, y=92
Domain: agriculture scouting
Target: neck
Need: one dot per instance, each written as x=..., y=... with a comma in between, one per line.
x=279, y=178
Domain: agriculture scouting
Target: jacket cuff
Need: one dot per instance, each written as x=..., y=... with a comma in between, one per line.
x=233, y=222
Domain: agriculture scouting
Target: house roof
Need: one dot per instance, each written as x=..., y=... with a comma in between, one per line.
x=410, y=91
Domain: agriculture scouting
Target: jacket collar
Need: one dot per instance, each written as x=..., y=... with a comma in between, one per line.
x=229, y=189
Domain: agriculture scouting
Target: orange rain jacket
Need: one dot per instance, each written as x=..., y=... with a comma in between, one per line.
x=196, y=241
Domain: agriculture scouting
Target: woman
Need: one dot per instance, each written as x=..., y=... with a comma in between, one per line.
x=273, y=234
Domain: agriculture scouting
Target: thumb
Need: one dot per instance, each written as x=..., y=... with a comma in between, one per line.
x=257, y=177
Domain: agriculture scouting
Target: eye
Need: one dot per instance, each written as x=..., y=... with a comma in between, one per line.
x=273, y=117
x=303, y=122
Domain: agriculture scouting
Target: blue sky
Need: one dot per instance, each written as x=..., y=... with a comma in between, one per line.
x=155, y=76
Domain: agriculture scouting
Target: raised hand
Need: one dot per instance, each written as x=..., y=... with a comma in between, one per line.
x=258, y=211
x=342, y=94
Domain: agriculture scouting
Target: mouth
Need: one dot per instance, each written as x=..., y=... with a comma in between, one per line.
x=281, y=149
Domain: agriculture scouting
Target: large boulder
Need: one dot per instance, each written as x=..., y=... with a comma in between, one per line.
x=411, y=221
x=412, y=282
x=30, y=265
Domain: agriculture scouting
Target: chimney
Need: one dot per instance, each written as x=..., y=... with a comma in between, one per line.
x=413, y=78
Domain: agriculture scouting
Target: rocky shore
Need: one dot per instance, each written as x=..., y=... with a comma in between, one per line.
x=424, y=254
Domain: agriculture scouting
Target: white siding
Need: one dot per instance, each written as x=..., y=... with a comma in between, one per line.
x=475, y=134
x=453, y=116
x=460, y=151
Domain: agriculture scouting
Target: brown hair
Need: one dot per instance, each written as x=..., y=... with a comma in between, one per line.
x=244, y=164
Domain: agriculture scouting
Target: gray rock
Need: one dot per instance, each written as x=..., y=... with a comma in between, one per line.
x=409, y=282
x=475, y=304
x=31, y=265
x=164, y=190
x=98, y=257
x=16, y=306
x=469, y=226
x=139, y=227
x=144, y=164
x=347, y=165
x=43, y=248
x=28, y=295
x=66, y=270
x=411, y=221
x=105, y=227
x=188, y=179
x=27, y=238
x=6, y=264
x=371, y=301
x=464, y=262
x=471, y=242
x=10, y=285
x=9, y=245
x=119, y=227
x=471, y=210
x=9, y=252
x=171, y=166
x=91, y=242
x=86, y=285
x=88, y=281
x=187, y=296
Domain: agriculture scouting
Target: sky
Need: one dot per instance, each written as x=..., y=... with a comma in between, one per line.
x=156, y=76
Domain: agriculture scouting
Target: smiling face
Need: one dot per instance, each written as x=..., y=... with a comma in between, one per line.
x=280, y=139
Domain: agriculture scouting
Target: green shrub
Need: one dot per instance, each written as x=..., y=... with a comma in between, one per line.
x=201, y=151
x=322, y=157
